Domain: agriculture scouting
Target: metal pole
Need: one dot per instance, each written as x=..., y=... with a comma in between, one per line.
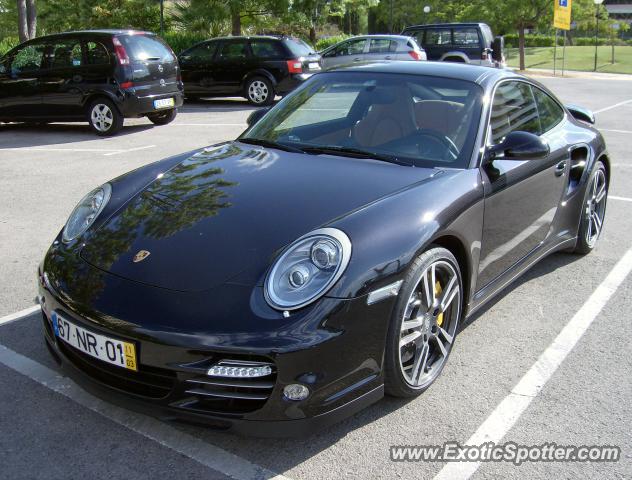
x=162, y=17
x=555, y=54
x=564, y=54
x=596, y=35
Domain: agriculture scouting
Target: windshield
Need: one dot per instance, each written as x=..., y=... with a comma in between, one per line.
x=414, y=119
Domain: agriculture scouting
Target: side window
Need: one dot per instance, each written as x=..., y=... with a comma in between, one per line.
x=267, y=49
x=352, y=47
x=382, y=45
x=465, y=37
x=65, y=54
x=551, y=114
x=96, y=54
x=201, y=53
x=438, y=36
x=28, y=59
x=513, y=109
x=233, y=50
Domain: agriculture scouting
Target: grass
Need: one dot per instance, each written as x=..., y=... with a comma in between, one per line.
x=577, y=58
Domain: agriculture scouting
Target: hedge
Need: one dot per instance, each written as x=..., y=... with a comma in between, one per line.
x=180, y=41
x=511, y=41
x=323, y=43
x=7, y=43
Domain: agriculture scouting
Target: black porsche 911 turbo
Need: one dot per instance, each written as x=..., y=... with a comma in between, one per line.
x=282, y=281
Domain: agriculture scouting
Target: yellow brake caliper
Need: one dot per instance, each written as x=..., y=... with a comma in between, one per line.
x=438, y=291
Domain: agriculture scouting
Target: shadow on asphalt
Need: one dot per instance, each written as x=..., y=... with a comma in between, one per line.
x=543, y=267
x=23, y=135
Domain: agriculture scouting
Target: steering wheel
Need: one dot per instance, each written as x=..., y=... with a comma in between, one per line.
x=438, y=138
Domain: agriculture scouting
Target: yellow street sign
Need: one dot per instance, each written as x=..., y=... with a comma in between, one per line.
x=562, y=14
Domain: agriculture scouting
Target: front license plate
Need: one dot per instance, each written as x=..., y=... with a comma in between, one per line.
x=314, y=66
x=164, y=103
x=115, y=352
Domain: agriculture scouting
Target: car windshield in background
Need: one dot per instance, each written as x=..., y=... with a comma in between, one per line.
x=143, y=47
x=411, y=119
x=298, y=47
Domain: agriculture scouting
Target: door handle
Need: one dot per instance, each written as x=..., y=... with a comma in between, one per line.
x=387, y=57
x=560, y=168
x=357, y=59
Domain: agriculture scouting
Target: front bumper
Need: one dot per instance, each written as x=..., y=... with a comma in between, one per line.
x=341, y=364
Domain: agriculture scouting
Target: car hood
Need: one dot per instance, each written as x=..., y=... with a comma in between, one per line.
x=223, y=213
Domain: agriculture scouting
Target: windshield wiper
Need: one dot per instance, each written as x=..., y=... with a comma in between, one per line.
x=353, y=152
x=270, y=144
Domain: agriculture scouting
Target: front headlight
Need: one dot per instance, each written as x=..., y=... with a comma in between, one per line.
x=86, y=212
x=307, y=269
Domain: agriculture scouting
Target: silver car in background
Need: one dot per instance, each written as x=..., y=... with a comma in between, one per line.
x=372, y=48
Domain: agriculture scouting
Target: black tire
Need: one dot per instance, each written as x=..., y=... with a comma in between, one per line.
x=192, y=98
x=396, y=382
x=586, y=238
x=104, y=118
x=454, y=60
x=163, y=118
x=259, y=91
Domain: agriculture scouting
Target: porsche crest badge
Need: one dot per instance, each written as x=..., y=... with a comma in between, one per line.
x=141, y=255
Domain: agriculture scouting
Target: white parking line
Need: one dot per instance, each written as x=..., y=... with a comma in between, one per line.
x=509, y=410
x=104, y=151
x=615, y=131
x=135, y=149
x=623, y=199
x=19, y=315
x=616, y=105
x=209, y=124
x=208, y=455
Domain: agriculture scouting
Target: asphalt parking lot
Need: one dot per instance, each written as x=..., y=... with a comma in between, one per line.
x=49, y=428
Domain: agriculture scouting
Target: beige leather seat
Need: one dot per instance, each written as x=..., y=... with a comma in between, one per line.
x=439, y=115
x=385, y=122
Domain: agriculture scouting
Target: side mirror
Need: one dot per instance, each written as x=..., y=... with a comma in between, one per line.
x=581, y=113
x=498, y=48
x=519, y=146
x=255, y=116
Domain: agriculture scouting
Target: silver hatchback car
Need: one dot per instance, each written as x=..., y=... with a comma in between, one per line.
x=372, y=48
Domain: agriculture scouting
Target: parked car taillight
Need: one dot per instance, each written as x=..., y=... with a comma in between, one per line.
x=295, y=66
x=121, y=53
x=126, y=85
x=415, y=54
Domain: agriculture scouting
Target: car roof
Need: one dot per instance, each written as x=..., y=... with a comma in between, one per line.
x=393, y=37
x=95, y=32
x=483, y=76
x=249, y=37
x=453, y=24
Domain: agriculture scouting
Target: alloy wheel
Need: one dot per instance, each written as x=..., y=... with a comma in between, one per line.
x=429, y=324
x=258, y=91
x=596, y=207
x=102, y=117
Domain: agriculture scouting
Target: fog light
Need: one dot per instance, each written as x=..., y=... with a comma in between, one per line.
x=234, y=371
x=296, y=392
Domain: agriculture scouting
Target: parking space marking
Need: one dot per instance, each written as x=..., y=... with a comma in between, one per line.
x=135, y=149
x=615, y=131
x=19, y=315
x=616, y=105
x=210, y=124
x=104, y=151
x=509, y=410
x=623, y=199
x=47, y=149
x=204, y=453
